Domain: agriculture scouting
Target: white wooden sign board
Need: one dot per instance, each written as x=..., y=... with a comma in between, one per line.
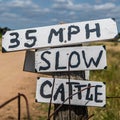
x=29, y=64
x=59, y=35
x=70, y=59
x=95, y=95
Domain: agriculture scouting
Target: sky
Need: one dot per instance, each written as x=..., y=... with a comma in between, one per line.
x=20, y=14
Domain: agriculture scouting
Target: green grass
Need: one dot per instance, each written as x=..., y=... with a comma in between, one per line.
x=0, y=35
x=112, y=78
x=0, y=41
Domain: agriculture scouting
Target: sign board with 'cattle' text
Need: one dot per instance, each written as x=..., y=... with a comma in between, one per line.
x=70, y=59
x=85, y=93
x=59, y=35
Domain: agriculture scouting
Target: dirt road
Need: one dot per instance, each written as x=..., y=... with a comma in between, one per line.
x=14, y=80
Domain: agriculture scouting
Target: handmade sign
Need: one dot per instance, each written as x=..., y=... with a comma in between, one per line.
x=59, y=35
x=85, y=93
x=70, y=59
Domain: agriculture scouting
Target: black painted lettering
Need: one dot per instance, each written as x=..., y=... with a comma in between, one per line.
x=79, y=90
x=14, y=40
x=56, y=33
x=42, y=89
x=30, y=38
x=57, y=62
x=45, y=60
x=74, y=53
x=70, y=85
x=96, y=63
x=61, y=91
x=88, y=95
x=71, y=32
x=88, y=30
x=97, y=93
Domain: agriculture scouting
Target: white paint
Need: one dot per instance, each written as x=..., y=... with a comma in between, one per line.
x=72, y=33
x=80, y=58
x=93, y=96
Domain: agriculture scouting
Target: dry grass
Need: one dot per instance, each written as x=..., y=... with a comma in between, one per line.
x=112, y=78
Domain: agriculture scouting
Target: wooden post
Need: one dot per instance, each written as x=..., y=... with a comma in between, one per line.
x=71, y=112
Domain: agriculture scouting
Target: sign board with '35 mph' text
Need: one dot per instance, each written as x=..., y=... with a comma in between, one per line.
x=59, y=35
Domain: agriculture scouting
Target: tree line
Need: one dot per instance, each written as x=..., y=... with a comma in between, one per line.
x=4, y=29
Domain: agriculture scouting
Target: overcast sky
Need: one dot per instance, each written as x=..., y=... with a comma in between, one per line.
x=19, y=14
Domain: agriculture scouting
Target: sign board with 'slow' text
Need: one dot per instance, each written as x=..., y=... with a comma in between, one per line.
x=70, y=59
x=59, y=35
x=85, y=93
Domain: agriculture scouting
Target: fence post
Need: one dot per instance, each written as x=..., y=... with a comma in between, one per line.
x=19, y=106
x=71, y=112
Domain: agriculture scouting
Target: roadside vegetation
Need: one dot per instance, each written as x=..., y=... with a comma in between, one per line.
x=0, y=41
x=2, y=30
x=111, y=76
